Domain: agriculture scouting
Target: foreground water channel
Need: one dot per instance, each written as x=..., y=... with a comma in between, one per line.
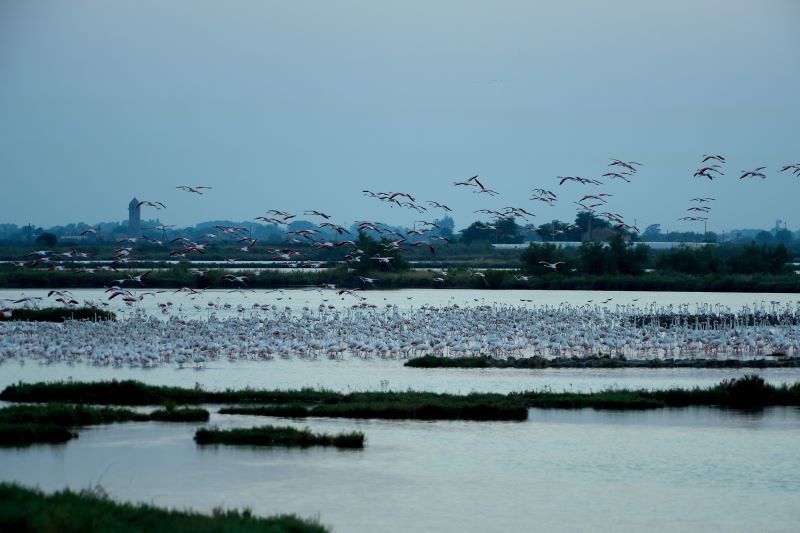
x=230, y=303
x=675, y=469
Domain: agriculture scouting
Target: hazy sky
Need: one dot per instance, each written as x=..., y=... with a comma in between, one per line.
x=300, y=105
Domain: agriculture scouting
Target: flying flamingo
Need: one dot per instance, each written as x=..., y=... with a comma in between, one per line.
x=138, y=278
x=194, y=188
x=248, y=246
x=553, y=266
x=755, y=173
x=149, y=203
x=317, y=213
x=438, y=205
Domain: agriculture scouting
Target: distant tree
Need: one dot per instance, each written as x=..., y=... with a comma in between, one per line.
x=301, y=224
x=555, y=231
x=595, y=259
x=687, y=260
x=530, y=233
x=764, y=237
x=587, y=220
x=504, y=230
x=784, y=236
x=618, y=256
x=377, y=248
x=652, y=233
x=508, y=231
x=446, y=226
x=534, y=253
x=630, y=259
x=754, y=259
x=477, y=231
x=47, y=239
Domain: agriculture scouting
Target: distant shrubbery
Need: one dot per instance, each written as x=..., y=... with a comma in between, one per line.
x=690, y=261
x=618, y=257
x=52, y=423
x=747, y=391
x=754, y=259
x=89, y=511
x=278, y=436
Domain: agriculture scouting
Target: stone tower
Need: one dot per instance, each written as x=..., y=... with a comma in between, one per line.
x=134, y=219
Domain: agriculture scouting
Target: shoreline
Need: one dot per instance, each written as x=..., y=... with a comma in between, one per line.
x=537, y=362
x=178, y=276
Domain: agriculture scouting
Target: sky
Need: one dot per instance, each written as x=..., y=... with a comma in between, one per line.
x=301, y=104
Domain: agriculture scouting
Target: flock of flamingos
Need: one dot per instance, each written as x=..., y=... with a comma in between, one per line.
x=264, y=331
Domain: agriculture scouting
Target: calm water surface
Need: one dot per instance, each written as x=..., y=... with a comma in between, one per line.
x=352, y=374
x=296, y=299
x=698, y=469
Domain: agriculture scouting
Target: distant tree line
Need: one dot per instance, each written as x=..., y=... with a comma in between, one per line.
x=620, y=257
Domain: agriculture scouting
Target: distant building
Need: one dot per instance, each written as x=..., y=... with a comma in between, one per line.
x=134, y=219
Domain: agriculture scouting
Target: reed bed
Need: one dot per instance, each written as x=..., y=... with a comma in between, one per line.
x=747, y=391
x=129, y=392
x=447, y=409
x=179, y=415
x=28, y=510
x=458, y=278
x=278, y=436
x=23, y=425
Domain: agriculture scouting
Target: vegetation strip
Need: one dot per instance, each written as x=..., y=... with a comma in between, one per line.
x=23, y=425
x=447, y=409
x=433, y=361
x=129, y=392
x=278, y=436
x=747, y=391
x=457, y=278
x=23, y=509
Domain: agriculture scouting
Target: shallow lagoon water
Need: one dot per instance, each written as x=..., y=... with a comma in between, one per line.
x=355, y=374
x=296, y=299
x=690, y=469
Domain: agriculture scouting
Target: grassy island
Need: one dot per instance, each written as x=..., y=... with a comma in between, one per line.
x=23, y=509
x=23, y=425
x=447, y=408
x=749, y=391
x=278, y=436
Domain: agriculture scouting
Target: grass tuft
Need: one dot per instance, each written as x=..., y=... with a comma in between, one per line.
x=23, y=425
x=180, y=415
x=26, y=510
x=745, y=392
x=278, y=436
